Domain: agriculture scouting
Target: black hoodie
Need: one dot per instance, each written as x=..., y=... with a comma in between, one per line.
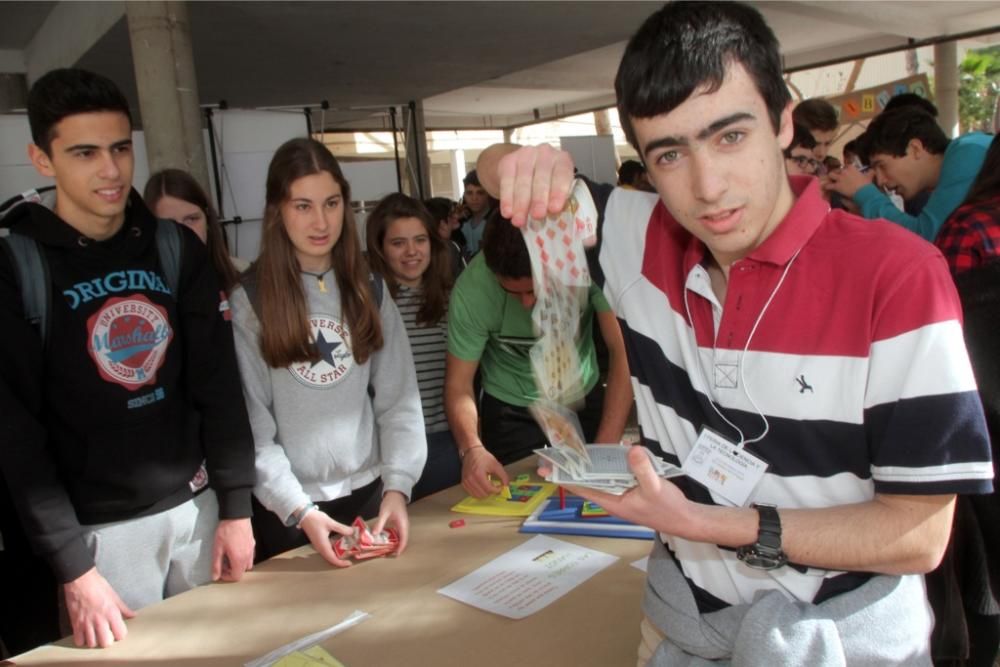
x=112, y=418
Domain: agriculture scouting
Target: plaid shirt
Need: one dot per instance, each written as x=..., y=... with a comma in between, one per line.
x=971, y=236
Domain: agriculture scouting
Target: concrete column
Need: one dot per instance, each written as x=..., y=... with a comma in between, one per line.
x=168, y=91
x=457, y=173
x=508, y=135
x=946, y=83
x=416, y=152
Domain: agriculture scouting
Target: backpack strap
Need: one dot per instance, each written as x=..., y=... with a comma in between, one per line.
x=168, y=244
x=378, y=286
x=32, y=272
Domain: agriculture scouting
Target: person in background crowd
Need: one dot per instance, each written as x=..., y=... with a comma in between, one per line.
x=971, y=235
x=173, y=194
x=328, y=377
x=633, y=175
x=799, y=157
x=403, y=246
x=909, y=153
x=820, y=118
x=442, y=210
x=490, y=328
x=479, y=205
x=916, y=204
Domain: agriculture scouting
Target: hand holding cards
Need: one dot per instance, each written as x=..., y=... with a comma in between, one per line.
x=363, y=544
x=605, y=468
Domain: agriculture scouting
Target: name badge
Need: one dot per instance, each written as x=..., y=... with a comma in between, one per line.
x=726, y=470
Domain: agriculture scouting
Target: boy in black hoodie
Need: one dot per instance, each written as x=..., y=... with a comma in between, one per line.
x=115, y=413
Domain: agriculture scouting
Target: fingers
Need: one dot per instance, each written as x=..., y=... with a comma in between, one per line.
x=118, y=630
x=123, y=608
x=217, y=555
x=562, y=182
x=325, y=549
x=402, y=523
x=642, y=467
x=534, y=180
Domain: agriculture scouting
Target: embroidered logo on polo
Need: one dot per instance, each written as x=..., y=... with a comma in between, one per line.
x=333, y=344
x=128, y=340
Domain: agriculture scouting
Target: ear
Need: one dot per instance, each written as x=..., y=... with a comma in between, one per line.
x=41, y=161
x=786, y=128
x=915, y=148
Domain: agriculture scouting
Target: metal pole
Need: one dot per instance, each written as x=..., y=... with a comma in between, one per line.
x=395, y=148
x=215, y=161
x=416, y=150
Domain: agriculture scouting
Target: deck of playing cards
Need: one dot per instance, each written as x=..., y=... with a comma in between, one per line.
x=364, y=544
x=605, y=467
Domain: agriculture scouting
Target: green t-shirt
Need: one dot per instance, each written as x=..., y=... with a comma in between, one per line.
x=488, y=325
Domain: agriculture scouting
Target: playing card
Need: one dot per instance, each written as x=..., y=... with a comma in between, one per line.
x=362, y=544
x=561, y=427
x=606, y=468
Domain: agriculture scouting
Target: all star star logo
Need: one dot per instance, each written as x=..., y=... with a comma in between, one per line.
x=332, y=340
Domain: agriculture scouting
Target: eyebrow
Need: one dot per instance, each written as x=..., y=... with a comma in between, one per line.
x=704, y=133
x=94, y=147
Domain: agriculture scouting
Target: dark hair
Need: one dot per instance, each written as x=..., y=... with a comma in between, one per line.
x=436, y=280
x=439, y=208
x=987, y=183
x=67, y=92
x=472, y=178
x=504, y=249
x=854, y=147
x=890, y=133
x=629, y=172
x=800, y=137
x=816, y=114
x=285, y=333
x=687, y=46
x=911, y=100
x=182, y=185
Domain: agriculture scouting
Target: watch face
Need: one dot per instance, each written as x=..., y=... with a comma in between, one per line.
x=761, y=561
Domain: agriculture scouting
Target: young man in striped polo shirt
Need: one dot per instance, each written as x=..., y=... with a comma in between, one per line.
x=815, y=387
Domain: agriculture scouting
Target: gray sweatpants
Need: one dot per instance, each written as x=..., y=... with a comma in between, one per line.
x=153, y=557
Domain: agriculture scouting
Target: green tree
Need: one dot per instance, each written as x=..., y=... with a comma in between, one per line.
x=979, y=89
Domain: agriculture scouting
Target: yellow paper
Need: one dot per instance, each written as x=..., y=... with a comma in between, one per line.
x=314, y=656
x=523, y=498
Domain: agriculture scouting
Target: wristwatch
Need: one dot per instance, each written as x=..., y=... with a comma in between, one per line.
x=765, y=553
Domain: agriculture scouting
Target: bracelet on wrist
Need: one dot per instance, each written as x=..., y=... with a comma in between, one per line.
x=463, y=452
x=302, y=515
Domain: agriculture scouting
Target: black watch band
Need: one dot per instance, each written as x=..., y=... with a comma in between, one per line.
x=765, y=553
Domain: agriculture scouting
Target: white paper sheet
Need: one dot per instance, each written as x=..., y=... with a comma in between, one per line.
x=529, y=577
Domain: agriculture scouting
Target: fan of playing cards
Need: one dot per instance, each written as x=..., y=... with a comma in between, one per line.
x=364, y=544
x=602, y=467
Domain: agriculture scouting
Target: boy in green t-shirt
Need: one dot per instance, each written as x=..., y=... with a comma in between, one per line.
x=490, y=329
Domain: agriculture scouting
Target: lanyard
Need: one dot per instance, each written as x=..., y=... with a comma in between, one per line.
x=743, y=384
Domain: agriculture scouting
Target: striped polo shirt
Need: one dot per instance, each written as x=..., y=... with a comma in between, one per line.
x=858, y=364
x=430, y=347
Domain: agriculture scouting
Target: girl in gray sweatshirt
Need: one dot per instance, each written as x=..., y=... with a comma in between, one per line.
x=328, y=375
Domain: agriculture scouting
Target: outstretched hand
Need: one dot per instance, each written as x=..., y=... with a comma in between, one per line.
x=653, y=502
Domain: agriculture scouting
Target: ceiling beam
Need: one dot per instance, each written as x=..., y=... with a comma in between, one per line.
x=69, y=31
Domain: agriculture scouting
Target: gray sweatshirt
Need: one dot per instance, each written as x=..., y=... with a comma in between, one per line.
x=318, y=435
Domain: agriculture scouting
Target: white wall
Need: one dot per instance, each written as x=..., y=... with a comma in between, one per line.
x=594, y=157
